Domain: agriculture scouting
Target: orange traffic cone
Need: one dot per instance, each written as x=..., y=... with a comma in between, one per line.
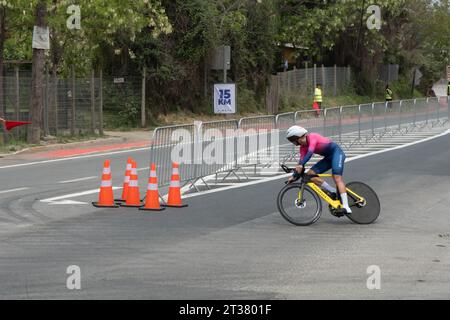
x=174, y=199
x=152, y=197
x=126, y=181
x=133, y=196
x=106, y=196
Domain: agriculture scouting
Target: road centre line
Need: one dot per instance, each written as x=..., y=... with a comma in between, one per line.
x=13, y=190
x=78, y=180
x=74, y=195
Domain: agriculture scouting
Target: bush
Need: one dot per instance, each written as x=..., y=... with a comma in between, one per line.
x=246, y=101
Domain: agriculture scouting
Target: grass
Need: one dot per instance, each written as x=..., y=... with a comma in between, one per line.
x=287, y=104
x=18, y=144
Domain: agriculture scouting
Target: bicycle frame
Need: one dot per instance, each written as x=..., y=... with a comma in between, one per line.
x=336, y=204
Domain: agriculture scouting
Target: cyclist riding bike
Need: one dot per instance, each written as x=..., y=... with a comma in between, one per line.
x=334, y=158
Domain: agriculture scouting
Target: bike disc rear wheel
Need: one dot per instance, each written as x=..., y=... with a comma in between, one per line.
x=368, y=212
x=300, y=214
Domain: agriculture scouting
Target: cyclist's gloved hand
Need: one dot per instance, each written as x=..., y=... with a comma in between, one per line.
x=294, y=178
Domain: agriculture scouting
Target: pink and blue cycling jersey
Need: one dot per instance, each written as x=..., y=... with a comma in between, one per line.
x=334, y=157
x=317, y=144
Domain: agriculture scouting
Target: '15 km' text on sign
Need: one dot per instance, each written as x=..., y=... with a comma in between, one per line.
x=225, y=98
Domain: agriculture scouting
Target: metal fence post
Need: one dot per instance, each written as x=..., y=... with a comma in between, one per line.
x=143, y=118
x=72, y=122
x=335, y=80
x=385, y=116
x=415, y=113
x=324, y=82
x=315, y=77
x=400, y=115
x=307, y=80
x=92, y=87
x=100, y=107
x=325, y=122
x=373, y=119
x=55, y=99
x=426, y=113
x=340, y=124
x=46, y=104
x=198, y=138
x=438, y=112
x=359, y=123
x=448, y=108
x=17, y=102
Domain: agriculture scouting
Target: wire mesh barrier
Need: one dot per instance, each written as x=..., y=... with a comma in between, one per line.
x=378, y=121
x=312, y=120
x=176, y=144
x=406, y=116
x=366, y=123
x=219, y=147
x=285, y=120
x=349, y=124
x=227, y=146
x=256, y=140
x=332, y=126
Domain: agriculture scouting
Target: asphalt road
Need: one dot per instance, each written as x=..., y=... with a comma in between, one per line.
x=230, y=244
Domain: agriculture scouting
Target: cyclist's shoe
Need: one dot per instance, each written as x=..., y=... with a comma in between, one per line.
x=342, y=212
x=332, y=195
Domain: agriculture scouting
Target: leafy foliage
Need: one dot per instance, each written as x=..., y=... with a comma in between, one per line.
x=174, y=41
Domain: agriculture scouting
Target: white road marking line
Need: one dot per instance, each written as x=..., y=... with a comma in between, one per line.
x=67, y=202
x=284, y=176
x=74, y=158
x=74, y=195
x=80, y=179
x=13, y=190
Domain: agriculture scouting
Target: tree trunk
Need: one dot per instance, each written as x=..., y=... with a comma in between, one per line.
x=37, y=80
x=4, y=136
x=55, y=55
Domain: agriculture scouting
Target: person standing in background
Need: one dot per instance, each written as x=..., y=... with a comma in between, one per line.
x=318, y=96
x=389, y=94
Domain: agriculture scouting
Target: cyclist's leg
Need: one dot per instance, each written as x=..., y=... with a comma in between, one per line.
x=320, y=167
x=338, y=171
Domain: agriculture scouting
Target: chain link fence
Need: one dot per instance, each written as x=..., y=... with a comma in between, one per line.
x=72, y=105
x=302, y=82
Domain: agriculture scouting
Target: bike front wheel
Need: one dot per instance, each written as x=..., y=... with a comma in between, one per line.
x=367, y=212
x=302, y=212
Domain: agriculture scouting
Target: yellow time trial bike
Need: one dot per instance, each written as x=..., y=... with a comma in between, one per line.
x=300, y=202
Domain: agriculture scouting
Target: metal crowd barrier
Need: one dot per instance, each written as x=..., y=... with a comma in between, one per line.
x=210, y=148
x=174, y=140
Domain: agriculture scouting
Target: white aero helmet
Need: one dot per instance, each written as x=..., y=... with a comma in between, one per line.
x=295, y=132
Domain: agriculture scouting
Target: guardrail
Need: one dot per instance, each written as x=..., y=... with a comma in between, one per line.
x=209, y=148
